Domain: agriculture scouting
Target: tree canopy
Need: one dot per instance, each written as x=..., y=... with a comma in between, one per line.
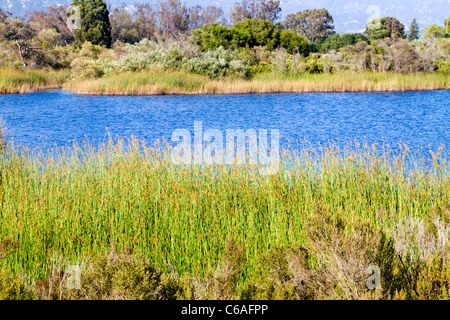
x=336, y=41
x=387, y=27
x=248, y=34
x=311, y=24
x=95, y=25
x=269, y=10
x=413, y=30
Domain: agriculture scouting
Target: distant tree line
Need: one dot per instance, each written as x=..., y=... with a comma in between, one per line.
x=253, y=32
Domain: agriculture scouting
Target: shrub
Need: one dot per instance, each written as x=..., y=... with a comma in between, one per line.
x=85, y=68
x=12, y=287
x=110, y=276
x=84, y=64
x=218, y=64
x=220, y=283
x=443, y=67
x=212, y=37
x=313, y=65
x=283, y=274
x=249, y=34
x=294, y=43
x=336, y=41
x=120, y=276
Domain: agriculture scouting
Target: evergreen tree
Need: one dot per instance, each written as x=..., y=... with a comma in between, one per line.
x=95, y=25
x=413, y=30
x=387, y=27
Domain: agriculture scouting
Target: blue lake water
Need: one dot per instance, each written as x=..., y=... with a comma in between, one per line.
x=57, y=117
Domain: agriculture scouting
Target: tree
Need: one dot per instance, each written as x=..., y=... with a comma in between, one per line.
x=3, y=23
x=311, y=24
x=4, y=15
x=19, y=32
x=447, y=25
x=95, y=24
x=212, y=37
x=199, y=16
x=384, y=28
x=269, y=10
x=413, y=30
x=123, y=27
x=145, y=20
x=33, y=49
x=255, y=32
x=249, y=34
x=212, y=14
x=294, y=43
x=54, y=18
x=173, y=16
x=433, y=32
x=336, y=41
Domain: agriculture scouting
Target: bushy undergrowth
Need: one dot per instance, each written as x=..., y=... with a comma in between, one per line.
x=332, y=263
x=385, y=55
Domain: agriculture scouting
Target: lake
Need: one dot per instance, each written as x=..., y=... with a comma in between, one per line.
x=55, y=118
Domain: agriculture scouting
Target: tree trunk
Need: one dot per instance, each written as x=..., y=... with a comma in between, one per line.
x=21, y=54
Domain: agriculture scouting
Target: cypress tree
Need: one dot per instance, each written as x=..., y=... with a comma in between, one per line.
x=413, y=30
x=95, y=25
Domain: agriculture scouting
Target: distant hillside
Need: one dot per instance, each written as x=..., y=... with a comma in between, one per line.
x=349, y=16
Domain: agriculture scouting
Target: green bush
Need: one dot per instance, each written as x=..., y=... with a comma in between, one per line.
x=337, y=41
x=282, y=274
x=218, y=64
x=120, y=276
x=85, y=68
x=249, y=34
x=13, y=287
x=110, y=276
x=293, y=43
x=313, y=65
x=212, y=37
x=443, y=67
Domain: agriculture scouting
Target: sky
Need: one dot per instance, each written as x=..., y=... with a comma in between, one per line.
x=349, y=16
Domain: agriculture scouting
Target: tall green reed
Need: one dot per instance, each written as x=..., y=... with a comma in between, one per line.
x=76, y=202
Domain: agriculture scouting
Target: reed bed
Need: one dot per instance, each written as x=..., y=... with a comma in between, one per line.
x=26, y=81
x=174, y=82
x=78, y=202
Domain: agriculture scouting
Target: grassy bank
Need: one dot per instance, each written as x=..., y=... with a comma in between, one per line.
x=177, y=82
x=214, y=232
x=155, y=83
x=26, y=81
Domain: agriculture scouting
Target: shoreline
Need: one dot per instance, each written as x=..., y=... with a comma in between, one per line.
x=151, y=94
x=33, y=90
x=149, y=83
x=156, y=83
x=180, y=93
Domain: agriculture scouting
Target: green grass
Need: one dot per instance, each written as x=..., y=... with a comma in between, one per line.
x=25, y=81
x=80, y=202
x=177, y=82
